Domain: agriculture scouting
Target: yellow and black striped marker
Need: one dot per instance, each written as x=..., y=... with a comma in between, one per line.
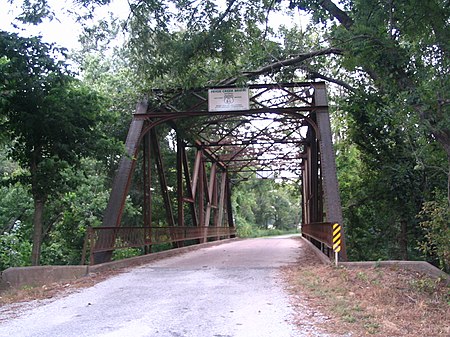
x=336, y=238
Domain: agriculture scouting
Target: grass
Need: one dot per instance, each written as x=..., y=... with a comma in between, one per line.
x=375, y=302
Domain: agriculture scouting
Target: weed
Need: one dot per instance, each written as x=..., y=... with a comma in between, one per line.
x=27, y=288
x=343, y=275
x=357, y=308
x=349, y=319
x=379, y=301
x=372, y=327
x=376, y=282
x=362, y=276
x=424, y=285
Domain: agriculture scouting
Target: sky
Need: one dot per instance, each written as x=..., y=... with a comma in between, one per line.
x=64, y=31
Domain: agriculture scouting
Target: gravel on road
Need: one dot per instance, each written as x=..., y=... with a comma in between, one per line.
x=232, y=289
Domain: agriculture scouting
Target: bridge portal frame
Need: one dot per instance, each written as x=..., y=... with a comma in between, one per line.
x=207, y=189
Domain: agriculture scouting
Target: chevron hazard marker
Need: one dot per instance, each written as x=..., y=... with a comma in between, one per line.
x=336, y=241
x=336, y=238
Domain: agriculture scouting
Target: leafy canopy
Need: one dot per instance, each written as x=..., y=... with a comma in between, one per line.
x=47, y=115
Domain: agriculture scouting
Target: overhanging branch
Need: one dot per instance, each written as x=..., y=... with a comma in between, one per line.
x=315, y=74
x=272, y=67
x=337, y=13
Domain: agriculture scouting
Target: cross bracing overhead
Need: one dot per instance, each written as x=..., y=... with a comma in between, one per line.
x=269, y=136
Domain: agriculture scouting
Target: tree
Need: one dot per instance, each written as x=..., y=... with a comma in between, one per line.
x=47, y=116
x=265, y=203
x=403, y=47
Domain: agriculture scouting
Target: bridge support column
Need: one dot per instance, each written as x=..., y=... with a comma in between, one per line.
x=122, y=180
x=332, y=200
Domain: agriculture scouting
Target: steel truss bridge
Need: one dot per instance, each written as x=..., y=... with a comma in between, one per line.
x=284, y=134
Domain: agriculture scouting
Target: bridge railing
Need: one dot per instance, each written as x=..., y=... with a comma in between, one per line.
x=320, y=231
x=101, y=239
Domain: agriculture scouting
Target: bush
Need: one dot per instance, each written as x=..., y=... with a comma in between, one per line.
x=435, y=216
x=14, y=250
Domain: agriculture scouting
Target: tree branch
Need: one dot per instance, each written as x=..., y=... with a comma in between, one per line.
x=272, y=67
x=315, y=74
x=337, y=13
x=267, y=18
x=224, y=14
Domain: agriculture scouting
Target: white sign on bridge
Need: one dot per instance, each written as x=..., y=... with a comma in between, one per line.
x=228, y=99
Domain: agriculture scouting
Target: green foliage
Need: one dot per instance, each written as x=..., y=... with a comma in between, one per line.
x=15, y=205
x=126, y=253
x=265, y=207
x=15, y=250
x=80, y=207
x=381, y=189
x=48, y=118
x=48, y=115
x=435, y=216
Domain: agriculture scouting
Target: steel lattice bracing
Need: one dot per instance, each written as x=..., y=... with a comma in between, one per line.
x=285, y=133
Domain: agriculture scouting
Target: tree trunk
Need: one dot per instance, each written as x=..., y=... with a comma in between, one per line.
x=403, y=240
x=448, y=180
x=39, y=203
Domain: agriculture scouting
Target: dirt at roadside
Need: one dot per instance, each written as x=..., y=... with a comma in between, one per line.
x=13, y=301
x=361, y=302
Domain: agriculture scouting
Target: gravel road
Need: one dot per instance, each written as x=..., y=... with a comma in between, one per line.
x=232, y=289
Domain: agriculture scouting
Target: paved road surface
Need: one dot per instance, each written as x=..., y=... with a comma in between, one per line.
x=227, y=290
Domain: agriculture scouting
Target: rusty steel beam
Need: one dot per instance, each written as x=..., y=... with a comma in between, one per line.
x=180, y=194
x=201, y=191
x=228, y=201
x=210, y=190
x=122, y=179
x=196, y=173
x=147, y=169
x=333, y=208
x=219, y=219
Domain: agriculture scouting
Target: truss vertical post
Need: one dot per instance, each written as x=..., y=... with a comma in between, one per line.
x=219, y=219
x=215, y=203
x=180, y=197
x=122, y=179
x=201, y=189
x=330, y=186
x=313, y=162
x=211, y=185
x=147, y=175
x=302, y=191
x=228, y=202
x=196, y=173
x=210, y=191
x=305, y=190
